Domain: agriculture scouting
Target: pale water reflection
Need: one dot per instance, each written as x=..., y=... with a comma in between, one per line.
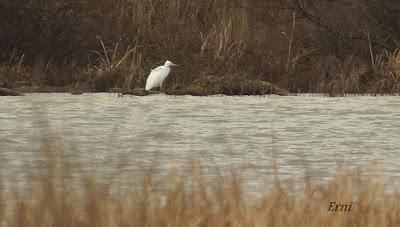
x=102, y=131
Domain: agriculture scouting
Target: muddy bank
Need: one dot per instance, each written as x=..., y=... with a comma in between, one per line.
x=203, y=86
x=28, y=87
x=44, y=89
x=212, y=85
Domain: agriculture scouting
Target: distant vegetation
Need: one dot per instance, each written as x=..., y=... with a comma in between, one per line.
x=324, y=46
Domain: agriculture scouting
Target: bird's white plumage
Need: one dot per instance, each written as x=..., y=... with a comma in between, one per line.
x=158, y=75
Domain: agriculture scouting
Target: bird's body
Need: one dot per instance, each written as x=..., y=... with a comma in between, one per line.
x=158, y=75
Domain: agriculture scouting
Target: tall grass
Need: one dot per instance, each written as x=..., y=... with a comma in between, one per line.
x=387, y=69
x=113, y=67
x=289, y=43
x=187, y=197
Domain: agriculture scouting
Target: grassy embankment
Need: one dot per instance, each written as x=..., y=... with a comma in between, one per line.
x=187, y=198
x=304, y=46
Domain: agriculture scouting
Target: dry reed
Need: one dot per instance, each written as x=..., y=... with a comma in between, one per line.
x=186, y=197
x=301, y=47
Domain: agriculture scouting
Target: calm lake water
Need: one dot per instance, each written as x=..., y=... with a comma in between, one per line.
x=120, y=136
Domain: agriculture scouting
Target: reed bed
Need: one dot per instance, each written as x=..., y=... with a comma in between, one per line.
x=333, y=47
x=187, y=197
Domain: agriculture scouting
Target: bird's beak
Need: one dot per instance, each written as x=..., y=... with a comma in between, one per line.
x=174, y=65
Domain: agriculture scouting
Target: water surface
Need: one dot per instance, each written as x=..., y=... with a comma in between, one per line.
x=119, y=136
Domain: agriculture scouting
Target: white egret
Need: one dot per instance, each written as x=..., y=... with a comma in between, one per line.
x=158, y=75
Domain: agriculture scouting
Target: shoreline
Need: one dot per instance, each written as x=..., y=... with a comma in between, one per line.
x=20, y=91
x=203, y=86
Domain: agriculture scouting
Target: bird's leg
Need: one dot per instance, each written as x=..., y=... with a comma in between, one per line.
x=161, y=86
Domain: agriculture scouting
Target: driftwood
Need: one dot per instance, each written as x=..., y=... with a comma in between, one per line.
x=9, y=92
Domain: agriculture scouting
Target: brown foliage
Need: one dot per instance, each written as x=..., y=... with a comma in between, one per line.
x=285, y=42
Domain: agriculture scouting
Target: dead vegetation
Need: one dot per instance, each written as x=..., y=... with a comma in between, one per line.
x=323, y=46
x=187, y=197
